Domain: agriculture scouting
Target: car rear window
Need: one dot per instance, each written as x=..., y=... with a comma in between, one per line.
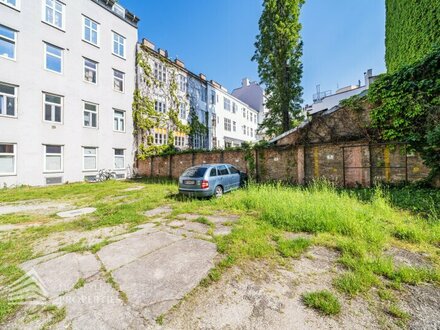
x=195, y=172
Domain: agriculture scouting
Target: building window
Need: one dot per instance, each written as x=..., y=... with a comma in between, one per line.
x=118, y=45
x=53, y=58
x=119, y=121
x=7, y=159
x=160, y=107
x=234, y=107
x=8, y=39
x=160, y=72
x=179, y=141
x=252, y=132
x=118, y=81
x=90, y=71
x=244, y=129
x=227, y=125
x=227, y=104
x=90, y=115
x=255, y=118
x=90, y=159
x=12, y=3
x=251, y=116
x=119, y=159
x=244, y=112
x=8, y=100
x=54, y=13
x=53, y=158
x=182, y=111
x=182, y=83
x=91, y=31
x=247, y=131
x=204, y=94
x=213, y=97
x=53, y=108
x=234, y=126
x=160, y=139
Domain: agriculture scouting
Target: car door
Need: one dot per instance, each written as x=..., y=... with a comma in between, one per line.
x=234, y=177
x=224, y=178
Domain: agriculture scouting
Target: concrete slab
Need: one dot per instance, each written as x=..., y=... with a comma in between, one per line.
x=176, y=223
x=97, y=306
x=158, y=211
x=127, y=250
x=60, y=274
x=222, y=230
x=76, y=213
x=32, y=207
x=221, y=219
x=156, y=282
x=195, y=226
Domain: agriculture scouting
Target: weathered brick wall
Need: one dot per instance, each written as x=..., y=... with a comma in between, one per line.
x=355, y=164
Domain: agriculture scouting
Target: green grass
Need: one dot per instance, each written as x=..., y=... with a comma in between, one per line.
x=360, y=224
x=323, y=301
x=293, y=248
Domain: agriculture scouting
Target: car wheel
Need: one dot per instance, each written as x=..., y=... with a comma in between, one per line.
x=218, y=192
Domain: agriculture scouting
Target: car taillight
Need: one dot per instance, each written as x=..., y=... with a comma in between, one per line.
x=205, y=184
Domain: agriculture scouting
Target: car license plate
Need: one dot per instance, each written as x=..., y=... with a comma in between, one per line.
x=189, y=182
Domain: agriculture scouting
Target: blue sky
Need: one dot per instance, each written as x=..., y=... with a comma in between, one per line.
x=342, y=38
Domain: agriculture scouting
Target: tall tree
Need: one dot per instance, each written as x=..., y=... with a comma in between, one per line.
x=278, y=54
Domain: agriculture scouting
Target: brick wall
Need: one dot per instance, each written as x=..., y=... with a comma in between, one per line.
x=349, y=164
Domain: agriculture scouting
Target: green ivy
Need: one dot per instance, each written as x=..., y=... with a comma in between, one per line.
x=412, y=30
x=406, y=107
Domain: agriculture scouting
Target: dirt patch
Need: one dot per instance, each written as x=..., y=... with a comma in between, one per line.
x=403, y=257
x=257, y=295
x=423, y=304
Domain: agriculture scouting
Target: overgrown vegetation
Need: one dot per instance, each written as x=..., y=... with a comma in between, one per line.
x=412, y=29
x=360, y=224
x=406, y=108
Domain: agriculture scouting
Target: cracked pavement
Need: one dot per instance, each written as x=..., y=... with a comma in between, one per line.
x=130, y=282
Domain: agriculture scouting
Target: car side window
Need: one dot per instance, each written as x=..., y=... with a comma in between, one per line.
x=213, y=172
x=222, y=170
x=233, y=170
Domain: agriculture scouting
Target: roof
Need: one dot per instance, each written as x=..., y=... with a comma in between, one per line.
x=128, y=17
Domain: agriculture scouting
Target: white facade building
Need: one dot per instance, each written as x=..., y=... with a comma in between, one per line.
x=235, y=122
x=327, y=100
x=229, y=121
x=66, y=89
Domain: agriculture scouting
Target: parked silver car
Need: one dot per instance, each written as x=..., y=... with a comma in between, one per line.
x=210, y=180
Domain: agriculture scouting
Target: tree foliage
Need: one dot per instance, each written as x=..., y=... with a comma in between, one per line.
x=406, y=107
x=412, y=30
x=278, y=54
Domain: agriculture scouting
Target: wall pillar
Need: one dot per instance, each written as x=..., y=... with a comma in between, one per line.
x=301, y=164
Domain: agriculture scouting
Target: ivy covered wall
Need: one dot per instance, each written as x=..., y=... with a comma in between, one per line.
x=412, y=29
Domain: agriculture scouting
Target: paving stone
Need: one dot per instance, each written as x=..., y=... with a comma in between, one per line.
x=28, y=265
x=129, y=249
x=156, y=282
x=188, y=216
x=223, y=219
x=76, y=213
x=176, y=223
x=195, y=226
x=222, y=230
x=158, y=211
x=97, y=306
x=60, y=274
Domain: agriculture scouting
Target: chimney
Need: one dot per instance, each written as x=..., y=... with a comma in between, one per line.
x=163, y=52
x=179, y=63
x=202, y=76
x=245, y=82
x=147, y=43
x=368, y=75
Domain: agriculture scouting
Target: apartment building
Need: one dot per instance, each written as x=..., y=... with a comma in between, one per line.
x=66, y=88
x=235, y=121
x=229, y=122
